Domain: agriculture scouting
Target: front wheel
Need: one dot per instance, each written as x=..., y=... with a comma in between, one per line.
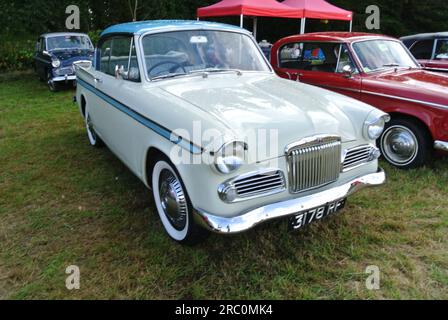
x=52, y=85
x=174, y=206
x=405, y=144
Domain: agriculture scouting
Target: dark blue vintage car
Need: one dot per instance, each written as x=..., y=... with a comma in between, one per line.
x=55, y=55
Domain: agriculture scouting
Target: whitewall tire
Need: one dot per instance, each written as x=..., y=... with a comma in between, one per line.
x=93, y=137
x=173, y=205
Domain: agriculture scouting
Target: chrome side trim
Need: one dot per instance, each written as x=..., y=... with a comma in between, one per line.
x=248, y=220
x=441, y=145
x=436, y=105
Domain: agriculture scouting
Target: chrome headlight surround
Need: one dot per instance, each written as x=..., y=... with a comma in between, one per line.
x=374, y=125
x=56, y=63
x=230, y=157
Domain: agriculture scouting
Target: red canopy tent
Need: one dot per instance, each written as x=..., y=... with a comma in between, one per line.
x=318, y=9
x=253, y=8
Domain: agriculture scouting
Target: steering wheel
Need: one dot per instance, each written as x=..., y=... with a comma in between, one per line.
x=174, y=63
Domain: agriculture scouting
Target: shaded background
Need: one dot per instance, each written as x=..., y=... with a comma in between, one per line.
x=23, y=21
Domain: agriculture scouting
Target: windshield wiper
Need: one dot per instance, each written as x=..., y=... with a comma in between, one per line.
x=388, y=65
x=217, y=70
x=167, y=76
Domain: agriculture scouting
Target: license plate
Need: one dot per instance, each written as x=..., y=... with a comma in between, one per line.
x=303, y=219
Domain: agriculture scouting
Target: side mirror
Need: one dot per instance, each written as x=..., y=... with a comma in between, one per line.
x=347, y=71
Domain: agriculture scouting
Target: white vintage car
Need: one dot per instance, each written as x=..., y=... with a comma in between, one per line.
x=196, y=112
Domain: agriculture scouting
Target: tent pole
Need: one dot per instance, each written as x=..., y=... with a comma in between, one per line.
x=241, y=21
x=302, y=25
x=255, y=27
x=351, y=25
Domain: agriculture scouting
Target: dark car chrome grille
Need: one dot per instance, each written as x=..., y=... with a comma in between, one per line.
x=314, y=163
x=252, y=185
x=358, y=156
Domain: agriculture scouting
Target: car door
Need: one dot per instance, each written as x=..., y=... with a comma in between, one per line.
x=113, y=115
x=321, y=64
x=42, y=60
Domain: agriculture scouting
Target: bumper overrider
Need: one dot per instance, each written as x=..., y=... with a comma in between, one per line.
x=250, y=219
x=441, y=145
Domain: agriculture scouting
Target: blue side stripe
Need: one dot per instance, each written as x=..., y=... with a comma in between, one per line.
x=167, y=134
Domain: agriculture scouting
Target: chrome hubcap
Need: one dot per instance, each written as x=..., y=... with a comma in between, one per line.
x=173, y=200
x=400, y=145
x=90, y=128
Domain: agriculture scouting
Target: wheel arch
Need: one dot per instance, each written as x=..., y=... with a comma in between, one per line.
x=424, y=124
x=153, y=154
x=83, y=105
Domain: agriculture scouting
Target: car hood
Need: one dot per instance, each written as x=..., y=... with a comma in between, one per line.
x=411, y=84
x=249, y=103
x=67, y=57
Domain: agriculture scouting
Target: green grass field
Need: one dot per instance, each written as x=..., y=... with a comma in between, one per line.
x=64, y=203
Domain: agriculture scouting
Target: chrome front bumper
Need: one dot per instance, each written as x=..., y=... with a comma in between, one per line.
x=441, y=145
x=64, y=78
x=254, y=217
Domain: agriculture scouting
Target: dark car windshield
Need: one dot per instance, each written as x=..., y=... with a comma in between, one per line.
x=382, y=54
x=69, y=42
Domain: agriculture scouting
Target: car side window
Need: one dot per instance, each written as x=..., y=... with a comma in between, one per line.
x=345, y=60
x=422, y=50
x=120, y=52
x=310, y=56
x=42, y=46
x=442, y=49
x=104, y=56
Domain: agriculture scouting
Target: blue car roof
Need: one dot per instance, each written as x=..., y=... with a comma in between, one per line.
x=141, y=27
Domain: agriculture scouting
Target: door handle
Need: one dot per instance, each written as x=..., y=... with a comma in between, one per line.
x=98, y=80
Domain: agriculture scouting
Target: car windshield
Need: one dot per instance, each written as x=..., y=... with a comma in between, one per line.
x=376, y=55
x=69, y=42
x=187, y=52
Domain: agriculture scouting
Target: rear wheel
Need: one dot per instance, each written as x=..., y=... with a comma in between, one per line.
x=94, y=140
x=405, y=144
x=174, y=206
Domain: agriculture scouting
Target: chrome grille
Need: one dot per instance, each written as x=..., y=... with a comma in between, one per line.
x=252, y=185
x=261, y=183
x=314, y=162
x=358, y=156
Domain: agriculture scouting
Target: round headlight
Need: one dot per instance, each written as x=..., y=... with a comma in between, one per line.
x=230, y=157
x=56, y=63
x=373, y=128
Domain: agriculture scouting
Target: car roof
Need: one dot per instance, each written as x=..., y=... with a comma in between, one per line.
x=61, y=34
x=421, y=36
x=338, y=36
x=141, y=27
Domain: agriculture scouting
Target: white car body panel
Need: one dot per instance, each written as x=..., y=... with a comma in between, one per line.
x=133, y=117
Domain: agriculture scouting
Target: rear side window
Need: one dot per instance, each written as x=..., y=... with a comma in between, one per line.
x=442, y=49
x=422, y=50
x=311, y=56
x=119, y=52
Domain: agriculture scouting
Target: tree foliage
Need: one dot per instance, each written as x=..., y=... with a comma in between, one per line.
x=28, y=18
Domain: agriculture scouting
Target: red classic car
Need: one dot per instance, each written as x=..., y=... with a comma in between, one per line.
x=430, y=49
x=379, y=71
